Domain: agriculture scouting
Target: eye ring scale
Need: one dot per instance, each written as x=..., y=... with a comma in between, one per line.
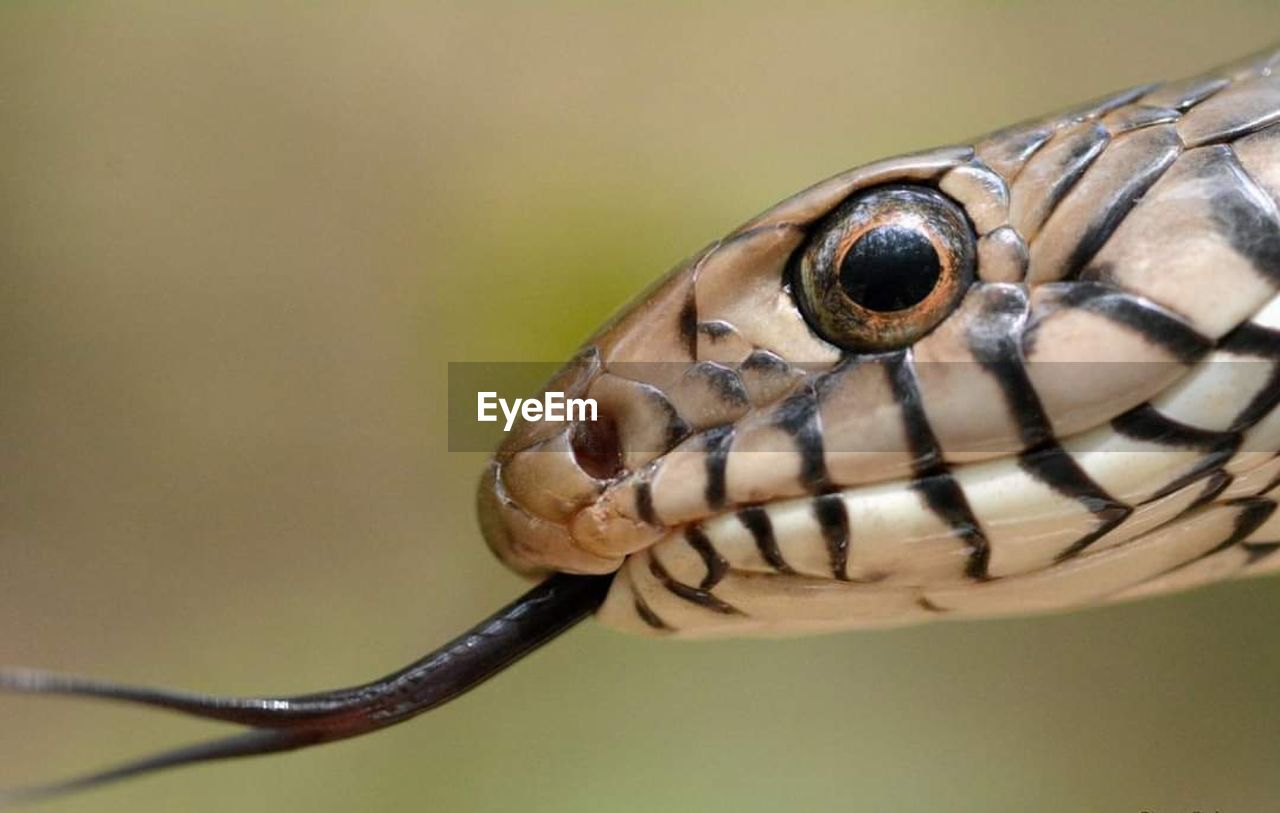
x=885, y=267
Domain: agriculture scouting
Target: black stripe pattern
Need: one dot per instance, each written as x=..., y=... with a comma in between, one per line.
x=934, y=482
x=756, y=520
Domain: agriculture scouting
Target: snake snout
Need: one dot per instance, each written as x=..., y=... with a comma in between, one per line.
x=545, y=472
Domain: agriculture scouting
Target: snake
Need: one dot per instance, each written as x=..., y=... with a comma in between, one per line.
x=1034, y=372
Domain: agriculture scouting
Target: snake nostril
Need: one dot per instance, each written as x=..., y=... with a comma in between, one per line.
x=598, y=448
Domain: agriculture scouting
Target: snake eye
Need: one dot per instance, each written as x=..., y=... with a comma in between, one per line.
x=885, y=267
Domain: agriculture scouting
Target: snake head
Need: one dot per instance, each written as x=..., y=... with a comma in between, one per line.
x=922, y=384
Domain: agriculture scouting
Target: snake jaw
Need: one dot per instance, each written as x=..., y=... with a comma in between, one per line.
x=611, y=526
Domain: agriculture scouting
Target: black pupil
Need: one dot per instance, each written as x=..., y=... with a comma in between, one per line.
x=890, y=268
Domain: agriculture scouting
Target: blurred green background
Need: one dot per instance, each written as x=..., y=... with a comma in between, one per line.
x=239, y=243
